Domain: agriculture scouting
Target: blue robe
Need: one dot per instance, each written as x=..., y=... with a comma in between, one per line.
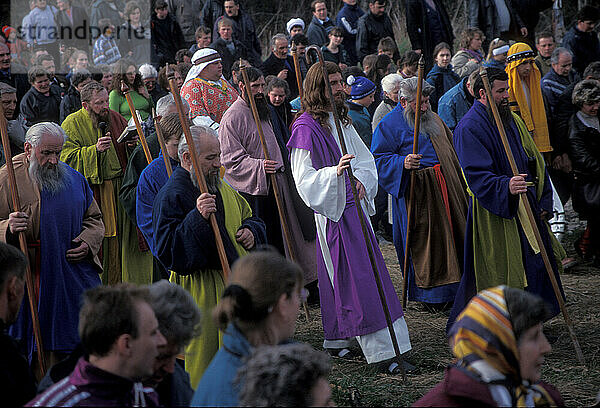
x=487, y=171
x=61, y=283
x=392, y=142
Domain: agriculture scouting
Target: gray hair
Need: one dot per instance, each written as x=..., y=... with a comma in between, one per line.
x=6, y=89
x=164, y=104
x=176, y=311
x=408, y=89
x=36, y=132
x=281, y=375
x=557, y=53
x=586, y=91
x=197, y=132
x=79, y=76
x=35, y=72
x=276, y=37
x=391, y=81
x=148, y=71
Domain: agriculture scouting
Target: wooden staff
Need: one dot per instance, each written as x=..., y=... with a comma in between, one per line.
x=530, y=216
x=198, y=170
x=126, y=91
x=278, y=199
x=16, y=204
x=294, y=52
x=412, y=181
x=361, y=216
x=161, y=142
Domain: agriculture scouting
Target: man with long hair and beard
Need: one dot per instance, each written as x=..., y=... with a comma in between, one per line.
x=93, y=151
x=500, y=248
x=247, y=170
x=184, y=241
x=439, y=193
x=64, y=229
x=350, y=303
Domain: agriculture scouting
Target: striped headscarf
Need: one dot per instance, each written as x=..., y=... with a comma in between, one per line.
x=534, y=118
x=483, y=336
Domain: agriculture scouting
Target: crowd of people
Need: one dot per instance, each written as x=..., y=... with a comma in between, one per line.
x=124, y=193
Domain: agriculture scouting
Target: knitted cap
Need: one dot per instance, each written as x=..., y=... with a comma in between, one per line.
x=293, y=23
x=361, y=87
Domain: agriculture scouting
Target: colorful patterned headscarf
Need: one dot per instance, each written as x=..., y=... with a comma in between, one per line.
x=535, y=119
x=483, y=333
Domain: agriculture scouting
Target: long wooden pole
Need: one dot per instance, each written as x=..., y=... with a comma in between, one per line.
x=411, y=200
x=295, y=56
x=361, y=215
x=278, y=199
x=126, y=91
x=16, y=204
x=161, y=142
x=530, y=216
x=198, y=170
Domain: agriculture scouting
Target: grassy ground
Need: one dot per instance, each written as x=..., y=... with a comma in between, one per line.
x=355, y=383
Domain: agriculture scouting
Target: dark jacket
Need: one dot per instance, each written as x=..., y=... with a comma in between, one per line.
x=188, y=14
x=371, y=29
x=442, y=79
x=16, y=381
x=167, y=39
x=137, y=41
x=102, y=9
x=274, y=65
x=482, y=14
x=361, y=120
x=529, y=11
x=454, y=104
x=422, y=33
x=211, y=11
x=317, y=32
x=227, y=57
x=585, y=48
x=460, y=389
x=558, y=124
x=584, y=143
x=76, y=33
x=17, y=78
x=553, y=85
x=245, y=32
x=347, y=20
x=70, y=103
x=37, y=107
x=341, y=57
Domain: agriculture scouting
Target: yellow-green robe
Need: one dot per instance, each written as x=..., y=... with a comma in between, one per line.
x=185, y=245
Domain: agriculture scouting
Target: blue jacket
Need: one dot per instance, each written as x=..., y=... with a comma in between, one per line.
x=492, y=63
x=454, y=104
x=442, y=79
x=585, y=48
x=216, y=385
x=553, y=86
x=317, y=32
x=361, y=119
x=347, y=20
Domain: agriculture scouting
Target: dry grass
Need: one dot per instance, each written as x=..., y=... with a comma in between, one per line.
x=578, y=385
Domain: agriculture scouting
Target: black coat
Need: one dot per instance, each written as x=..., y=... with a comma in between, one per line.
x=371, y=29
x=75, y=34
x=482, y=14
x=227, y=57
x=17, y=384
x=188, y=14
x=585, y=156
x=585, y=48
x=70, y=103
x=36, y=107
x=245, y=32
x=274, y=65
x=211, y=11
x=419, y=27
x=529, y=11
x=167, y=39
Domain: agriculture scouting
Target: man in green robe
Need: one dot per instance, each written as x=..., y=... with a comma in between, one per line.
x=101, y=160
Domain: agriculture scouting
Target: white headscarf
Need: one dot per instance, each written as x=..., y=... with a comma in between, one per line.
x=200, y=60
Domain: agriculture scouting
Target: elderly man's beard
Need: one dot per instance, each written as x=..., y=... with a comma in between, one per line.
x=261, y=106
x=213, y=181
x=429, y=123
x=97, y=118
x=49, y=177
x=503, y=111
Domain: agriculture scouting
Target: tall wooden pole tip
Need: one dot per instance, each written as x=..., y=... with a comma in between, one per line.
x=124, y=87
x=422, y=61
x=170, y=72
x=313, y=54
x=482, y=72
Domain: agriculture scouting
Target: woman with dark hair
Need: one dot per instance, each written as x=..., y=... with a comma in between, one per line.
x=441, y=76
x=584, y=138
x=375, y=73
x=470, y=56
x=334, y=50
x=134, y=35
x=278, y=92
x=408, y=64
x=126, y=71
x=499, y=348
x=258, y=307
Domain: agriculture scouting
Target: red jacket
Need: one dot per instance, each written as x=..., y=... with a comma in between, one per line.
x=457, y=389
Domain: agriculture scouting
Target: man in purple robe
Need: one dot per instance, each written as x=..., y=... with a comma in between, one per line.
x=350, y=303
x=64, y=230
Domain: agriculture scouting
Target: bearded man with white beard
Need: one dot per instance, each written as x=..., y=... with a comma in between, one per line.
x=440, y=199
x=64, y=232
x=247, y=170
x=184, y=241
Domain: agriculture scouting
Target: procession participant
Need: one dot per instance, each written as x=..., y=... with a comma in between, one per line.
x=64, y=230
x=184, y=240
x=102, y=161
x=206, y=91
x=440, y=196
x=247, y=171
x=500, y=248
x=342, y=261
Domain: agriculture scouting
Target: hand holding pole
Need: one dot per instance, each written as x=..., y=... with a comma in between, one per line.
x=126, y=91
